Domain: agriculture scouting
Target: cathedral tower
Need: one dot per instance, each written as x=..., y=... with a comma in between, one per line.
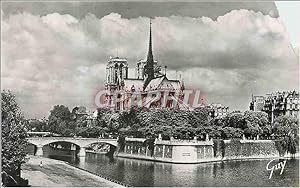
x=116, y=72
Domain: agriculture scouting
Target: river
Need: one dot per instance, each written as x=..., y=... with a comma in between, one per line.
x=147, y=173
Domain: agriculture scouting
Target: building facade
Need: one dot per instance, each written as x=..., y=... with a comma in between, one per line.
x=218, y=110
x=277, y=104
x=148, y=78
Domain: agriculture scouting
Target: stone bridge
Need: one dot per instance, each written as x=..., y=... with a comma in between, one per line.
x=82, y=143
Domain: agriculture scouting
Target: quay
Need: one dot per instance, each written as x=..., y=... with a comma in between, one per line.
x=55, y=173
x=194, y=151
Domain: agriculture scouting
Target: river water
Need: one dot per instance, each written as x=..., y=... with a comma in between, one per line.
x=147, y=173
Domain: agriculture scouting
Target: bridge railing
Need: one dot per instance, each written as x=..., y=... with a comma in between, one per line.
x=68, y=138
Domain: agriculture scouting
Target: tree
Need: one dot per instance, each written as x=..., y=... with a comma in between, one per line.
x=285, y=125
x=37, y=125
x=114, y=122
x=130, y=123
x=230, y=126
x=168, y=122
x=81, y=121
x=74, y=113
x=249, y=123
x=59, y=119
x=102, y=114
x=199, y=117
x=122, y=142
x=256, y=123
x=231, y=132
x=286, y=128
x=82, y=131
x=235, y=119
x=13, y=140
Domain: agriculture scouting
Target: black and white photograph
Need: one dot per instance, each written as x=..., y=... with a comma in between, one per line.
x=132, y=93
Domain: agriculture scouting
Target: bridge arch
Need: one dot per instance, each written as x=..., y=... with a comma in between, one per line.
x=38, y=148
x=112, y=146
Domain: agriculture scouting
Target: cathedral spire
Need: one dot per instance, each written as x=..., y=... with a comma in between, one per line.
x=149, y=67
x=150, y=54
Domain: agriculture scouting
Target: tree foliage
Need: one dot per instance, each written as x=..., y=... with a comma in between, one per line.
x=286, y=128
x=235, y=120
x=142, y=122
x=13, y=137
x=37, y=125
x=59, y=119
x=121, y=141
x=256, y=123
x=250, y=123
x=285, y=125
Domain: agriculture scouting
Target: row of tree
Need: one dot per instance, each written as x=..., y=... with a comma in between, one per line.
x=149, y=123
x=138, y=122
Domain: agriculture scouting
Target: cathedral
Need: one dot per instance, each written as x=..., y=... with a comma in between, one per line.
x=148, y=79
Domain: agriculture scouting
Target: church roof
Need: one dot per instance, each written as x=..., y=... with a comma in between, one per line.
x=154, y=83
x=163, y=83
x=158, y=83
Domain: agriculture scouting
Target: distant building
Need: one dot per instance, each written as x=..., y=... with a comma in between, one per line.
x=257, y=103
x=148, y=78
x=218, y=110
x=276, y=104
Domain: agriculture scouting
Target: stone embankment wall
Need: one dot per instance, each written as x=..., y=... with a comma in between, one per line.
x=199, y=151
x=169, y=151
x=243, y=149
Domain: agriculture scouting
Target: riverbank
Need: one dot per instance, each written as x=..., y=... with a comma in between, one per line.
x=209, y=160
x=193, y=152
x=55, y=173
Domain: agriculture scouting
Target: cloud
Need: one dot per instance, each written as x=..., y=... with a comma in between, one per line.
x=61, y=59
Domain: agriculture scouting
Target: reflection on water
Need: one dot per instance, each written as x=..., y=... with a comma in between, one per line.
x=148, y=173
x=61, y=154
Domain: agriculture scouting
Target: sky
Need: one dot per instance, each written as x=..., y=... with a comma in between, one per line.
x=289, y=12
x=56, y=53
